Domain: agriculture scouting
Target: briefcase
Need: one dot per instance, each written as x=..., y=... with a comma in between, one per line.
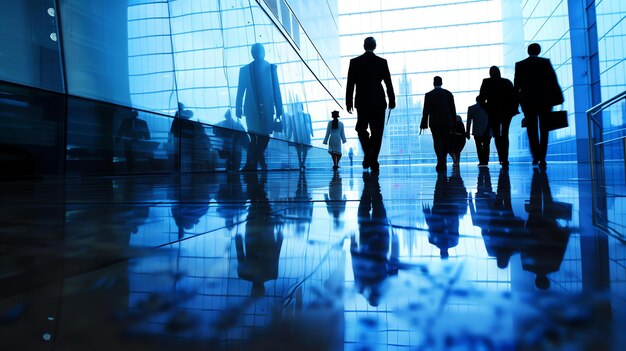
x=555, y=120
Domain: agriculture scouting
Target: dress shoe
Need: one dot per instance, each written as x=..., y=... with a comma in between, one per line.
x=366, y=164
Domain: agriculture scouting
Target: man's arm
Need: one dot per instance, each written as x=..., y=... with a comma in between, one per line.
x=553, y=84
x=517, y=78
x=350, y=88
x=425, y=113
x=452, y=108
x=483, y=95
x=241, y=88
x=390, y=93
x=278, y=100
x=470, y=117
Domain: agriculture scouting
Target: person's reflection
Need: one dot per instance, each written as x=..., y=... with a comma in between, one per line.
x=234, y=139
x=231, y=200
x=545, y=247
x=374, y=257
x=191, y=202
x=303, y=209
x=300, y=131
x=195, y=144
x=483, y=202
x=258, y=96
x=506, y=231
x=258, y=253
x=132, y=131
x=502, y=231
x=443, y=218
x=335, y=199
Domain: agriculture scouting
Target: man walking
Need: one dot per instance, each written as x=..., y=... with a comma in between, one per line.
x=258, y=97
x=439, y=115
x=365, y=74
x=478, y=126
x=538, y=89
x=498, y=98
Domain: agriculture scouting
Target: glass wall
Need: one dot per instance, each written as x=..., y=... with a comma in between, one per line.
x=132, y=66
x=31, y=132
x=611, y=24
x=29, y=44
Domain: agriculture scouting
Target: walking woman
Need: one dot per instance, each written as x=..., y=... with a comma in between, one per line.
x=335, y=135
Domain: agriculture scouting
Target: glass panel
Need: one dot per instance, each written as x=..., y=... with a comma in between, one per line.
x=31, y=130
x=124, y=57
x=29, y=44
x=107, y=139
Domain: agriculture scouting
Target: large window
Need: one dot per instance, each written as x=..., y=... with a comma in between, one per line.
x=458, y=41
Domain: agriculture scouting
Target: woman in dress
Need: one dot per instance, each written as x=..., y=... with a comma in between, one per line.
x=334, y=138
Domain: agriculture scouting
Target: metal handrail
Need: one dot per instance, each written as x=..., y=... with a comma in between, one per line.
x=601, y=106
x=599, y=217
x=591, y=118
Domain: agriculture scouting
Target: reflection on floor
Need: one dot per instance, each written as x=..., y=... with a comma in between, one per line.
x=475, y=259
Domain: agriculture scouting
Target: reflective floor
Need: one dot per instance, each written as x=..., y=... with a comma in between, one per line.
x=474, y=259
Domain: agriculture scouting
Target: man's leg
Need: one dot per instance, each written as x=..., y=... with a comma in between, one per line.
x=251, y=157
x=479, y=148
x=532, y=129
x=377, y=127
x=364, y=137
x=495, y=121
x=544, y=134
x=440, y=147
x=264, y=140
x=482, y=149
x=506, y=123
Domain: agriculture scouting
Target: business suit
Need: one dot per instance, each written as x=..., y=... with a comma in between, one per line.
x=538, y=90
x=497, y=97
x=365, y=74
x=258, y=93
x=439, y=115
x=478, y=126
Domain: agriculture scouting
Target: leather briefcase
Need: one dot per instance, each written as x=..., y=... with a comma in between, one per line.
x=555, y=120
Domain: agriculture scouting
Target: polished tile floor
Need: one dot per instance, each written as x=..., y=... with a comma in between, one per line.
x=473, y=259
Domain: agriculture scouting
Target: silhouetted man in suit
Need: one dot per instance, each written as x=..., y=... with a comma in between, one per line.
x=258, y=81
x=536, y=84
x=478, y=126
x=365, y=73
x=439, y=115
x=498, y=98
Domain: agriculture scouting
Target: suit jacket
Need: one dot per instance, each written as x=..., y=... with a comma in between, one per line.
x=365, y=73
x=498, y=98
x=536, y=84
x=477, y=121
x=439, y=110
x=259, y=93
